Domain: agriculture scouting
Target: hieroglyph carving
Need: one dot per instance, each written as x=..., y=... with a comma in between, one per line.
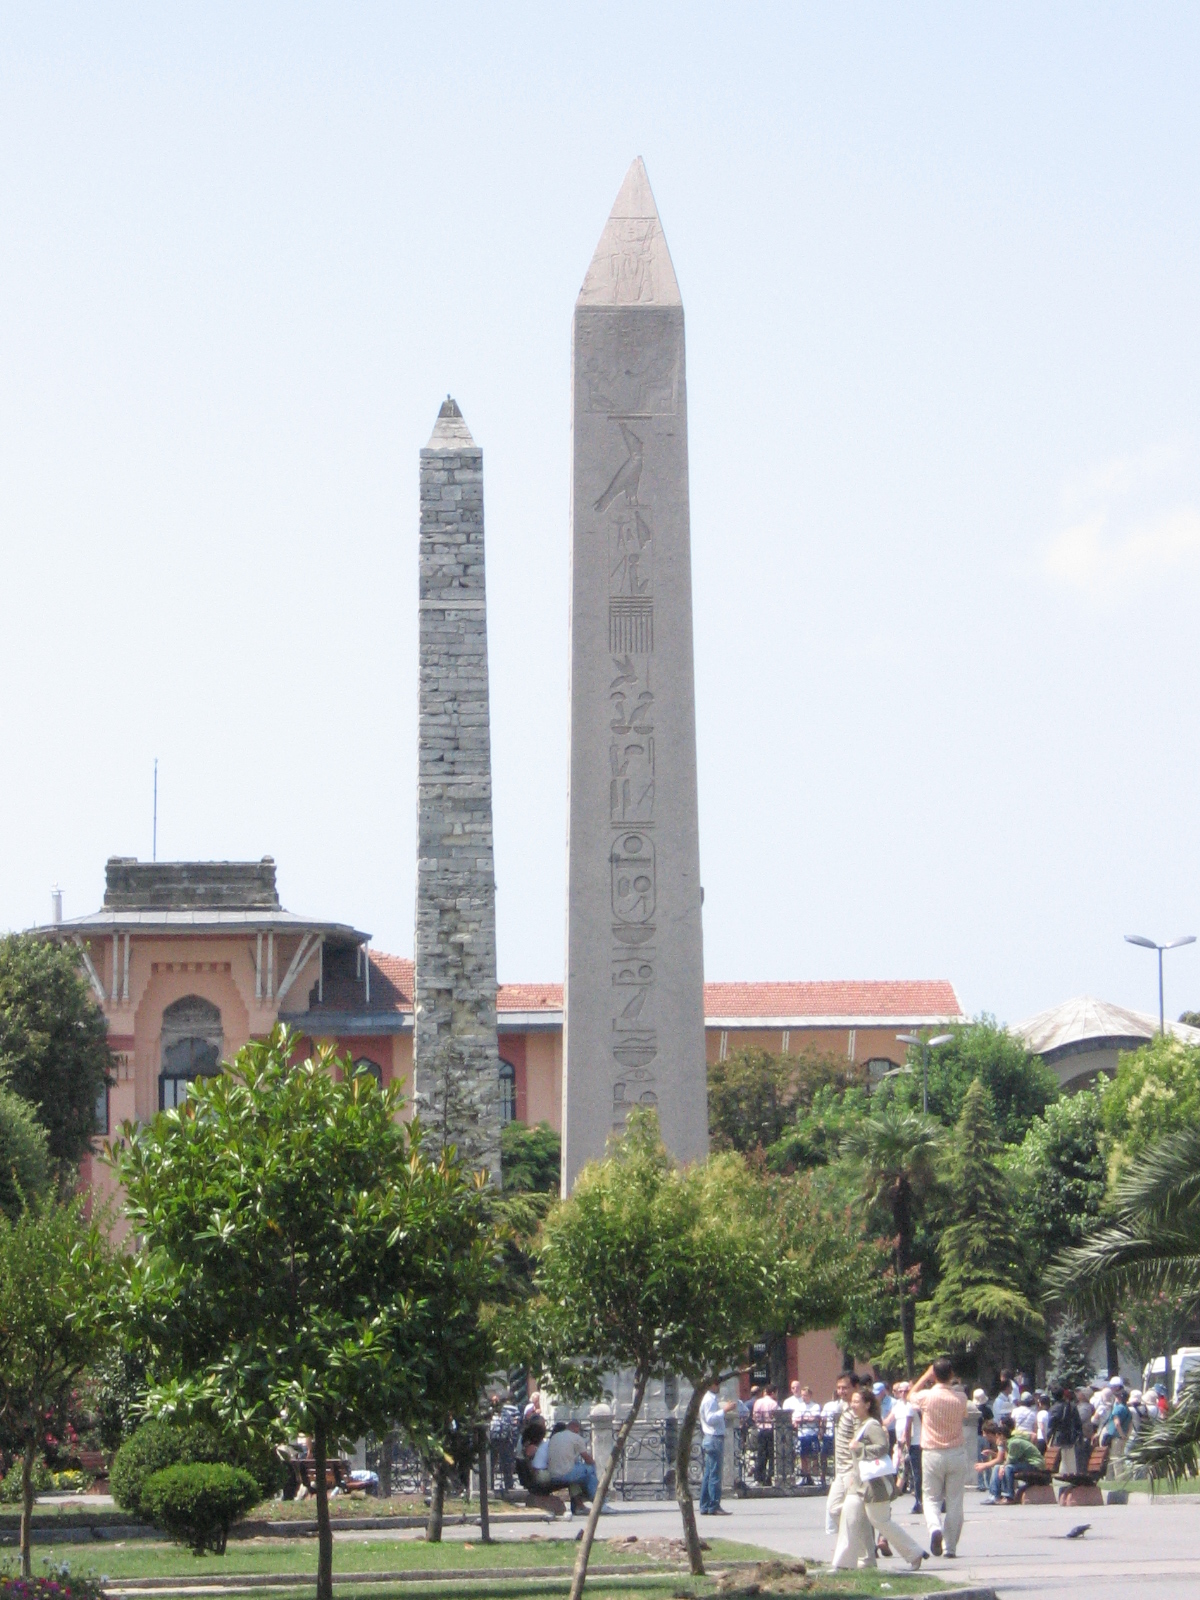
x=627, y=528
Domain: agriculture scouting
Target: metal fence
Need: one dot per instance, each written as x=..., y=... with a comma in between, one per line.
x=766, y=1461
x=776, y=1460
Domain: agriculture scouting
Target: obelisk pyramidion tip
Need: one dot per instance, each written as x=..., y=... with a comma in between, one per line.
x=450, y=431
x=632, y=265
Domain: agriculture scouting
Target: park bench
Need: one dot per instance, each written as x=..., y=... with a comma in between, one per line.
x=1083, y=1488
x=536, y=1497
x=94, y=1463
x=304, y=1473
x=1034, y=1486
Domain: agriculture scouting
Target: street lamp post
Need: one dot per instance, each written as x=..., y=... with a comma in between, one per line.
x=1149, y=944
x=926, y=1046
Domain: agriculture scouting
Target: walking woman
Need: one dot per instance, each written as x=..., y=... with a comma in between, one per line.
x=867, y=1508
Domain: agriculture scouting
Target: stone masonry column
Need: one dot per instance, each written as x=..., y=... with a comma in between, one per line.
x=456, y=1063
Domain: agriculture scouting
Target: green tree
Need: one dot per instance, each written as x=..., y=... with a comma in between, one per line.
x=53, y=1041
x=1148, y=1242
x=1019, y=1084
x=634, y=1271
x=736, y=1231
x=26, y=1172
x=306, y=1263
x=57, y=1285
x=814, y=1138
x=978, y=1301
x=1151, y=1327
x=896, y=1153
x=754, y=1095
x=1155, y=1092
x=1070, y=1362
x=530, y=1158
x=1059, y=1174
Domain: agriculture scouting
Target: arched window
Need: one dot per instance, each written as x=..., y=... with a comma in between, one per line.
x=365, y=1064
x=508, y=1092
x=192, y=1043
x=878, y=1068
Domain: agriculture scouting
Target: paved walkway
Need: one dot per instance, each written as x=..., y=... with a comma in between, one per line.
x=1018, y=1550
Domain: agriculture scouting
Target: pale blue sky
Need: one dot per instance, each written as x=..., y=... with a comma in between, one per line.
x=940, y=270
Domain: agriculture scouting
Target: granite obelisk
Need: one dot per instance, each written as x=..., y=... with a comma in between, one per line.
x=634, y=992
x=456, y=1083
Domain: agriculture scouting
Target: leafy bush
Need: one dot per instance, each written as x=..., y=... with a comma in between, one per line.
x=157, y=1445
x=153, y=1447
x=530, y=1158
x=70, y=1482
x=197, y=1504
x=10, y=1489
x=25, y=1167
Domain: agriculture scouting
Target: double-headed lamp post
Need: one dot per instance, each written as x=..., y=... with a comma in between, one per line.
x=1149, y=944
x=926, y=1046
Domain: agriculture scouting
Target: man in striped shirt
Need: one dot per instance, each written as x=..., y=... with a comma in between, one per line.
x=944, y=1408
x=843, y=1431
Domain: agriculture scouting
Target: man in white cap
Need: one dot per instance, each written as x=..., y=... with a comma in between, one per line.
x=1024, y=1414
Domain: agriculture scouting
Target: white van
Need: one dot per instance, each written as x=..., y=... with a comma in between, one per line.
x=1183, y=1361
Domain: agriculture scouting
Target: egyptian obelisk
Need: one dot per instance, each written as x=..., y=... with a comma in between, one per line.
x=456, y=1083
x=634, y=994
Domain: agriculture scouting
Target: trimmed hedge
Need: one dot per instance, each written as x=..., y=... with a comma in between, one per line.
x=197, y=1504
x=153, y=1447
x=10, y=1488
x=160, y=1444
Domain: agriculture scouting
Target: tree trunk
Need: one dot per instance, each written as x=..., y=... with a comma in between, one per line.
x=27, y=1508
x=589, y=1529
x=683, y=1492
x=324, y=1531
x=485, y=1469
x=437, y=1504
x=908, y=1311
x=777, y=1364
x=1112, y=1355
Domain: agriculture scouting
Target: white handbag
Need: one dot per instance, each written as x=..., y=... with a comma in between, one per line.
x=881, y=1467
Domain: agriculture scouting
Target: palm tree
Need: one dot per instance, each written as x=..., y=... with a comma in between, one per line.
x=898, y=1151
x=1149, y=1244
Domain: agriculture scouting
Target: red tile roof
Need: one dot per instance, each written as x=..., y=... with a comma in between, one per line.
x=392, y=989
x=834, y=998
x=529, y=997
x=391, y=976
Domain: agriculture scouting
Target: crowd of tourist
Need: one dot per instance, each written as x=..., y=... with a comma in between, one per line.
x=873, y=1441
x=870, y=1444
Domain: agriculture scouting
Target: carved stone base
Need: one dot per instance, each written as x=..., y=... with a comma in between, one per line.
x=1081, y=1494
x=1037, y=1494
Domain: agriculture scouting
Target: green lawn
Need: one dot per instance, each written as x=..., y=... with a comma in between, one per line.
x=670, y=1586
x=459, y=1560
x=363, y=1505
x=146, y=1559
x=1159, y=1485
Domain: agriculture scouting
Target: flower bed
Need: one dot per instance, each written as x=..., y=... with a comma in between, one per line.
x=50, y=1588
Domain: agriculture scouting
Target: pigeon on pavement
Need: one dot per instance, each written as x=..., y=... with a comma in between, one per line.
x=1079, y=1530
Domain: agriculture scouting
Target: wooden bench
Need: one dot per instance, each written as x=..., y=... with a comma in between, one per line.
x=304, y=1473
x=1083, y=1488
x=94, y=1463
x=1034, y=1486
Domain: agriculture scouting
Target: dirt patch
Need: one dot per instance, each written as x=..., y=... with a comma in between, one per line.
x=768, y=1578
x=650, y=1549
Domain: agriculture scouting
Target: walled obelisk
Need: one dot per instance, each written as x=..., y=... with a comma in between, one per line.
x=456, y=1083
x=634, y=995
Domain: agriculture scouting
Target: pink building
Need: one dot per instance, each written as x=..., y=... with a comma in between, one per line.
x=189, y=960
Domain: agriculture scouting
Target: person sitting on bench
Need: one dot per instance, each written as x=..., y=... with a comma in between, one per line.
x=534, y=1470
